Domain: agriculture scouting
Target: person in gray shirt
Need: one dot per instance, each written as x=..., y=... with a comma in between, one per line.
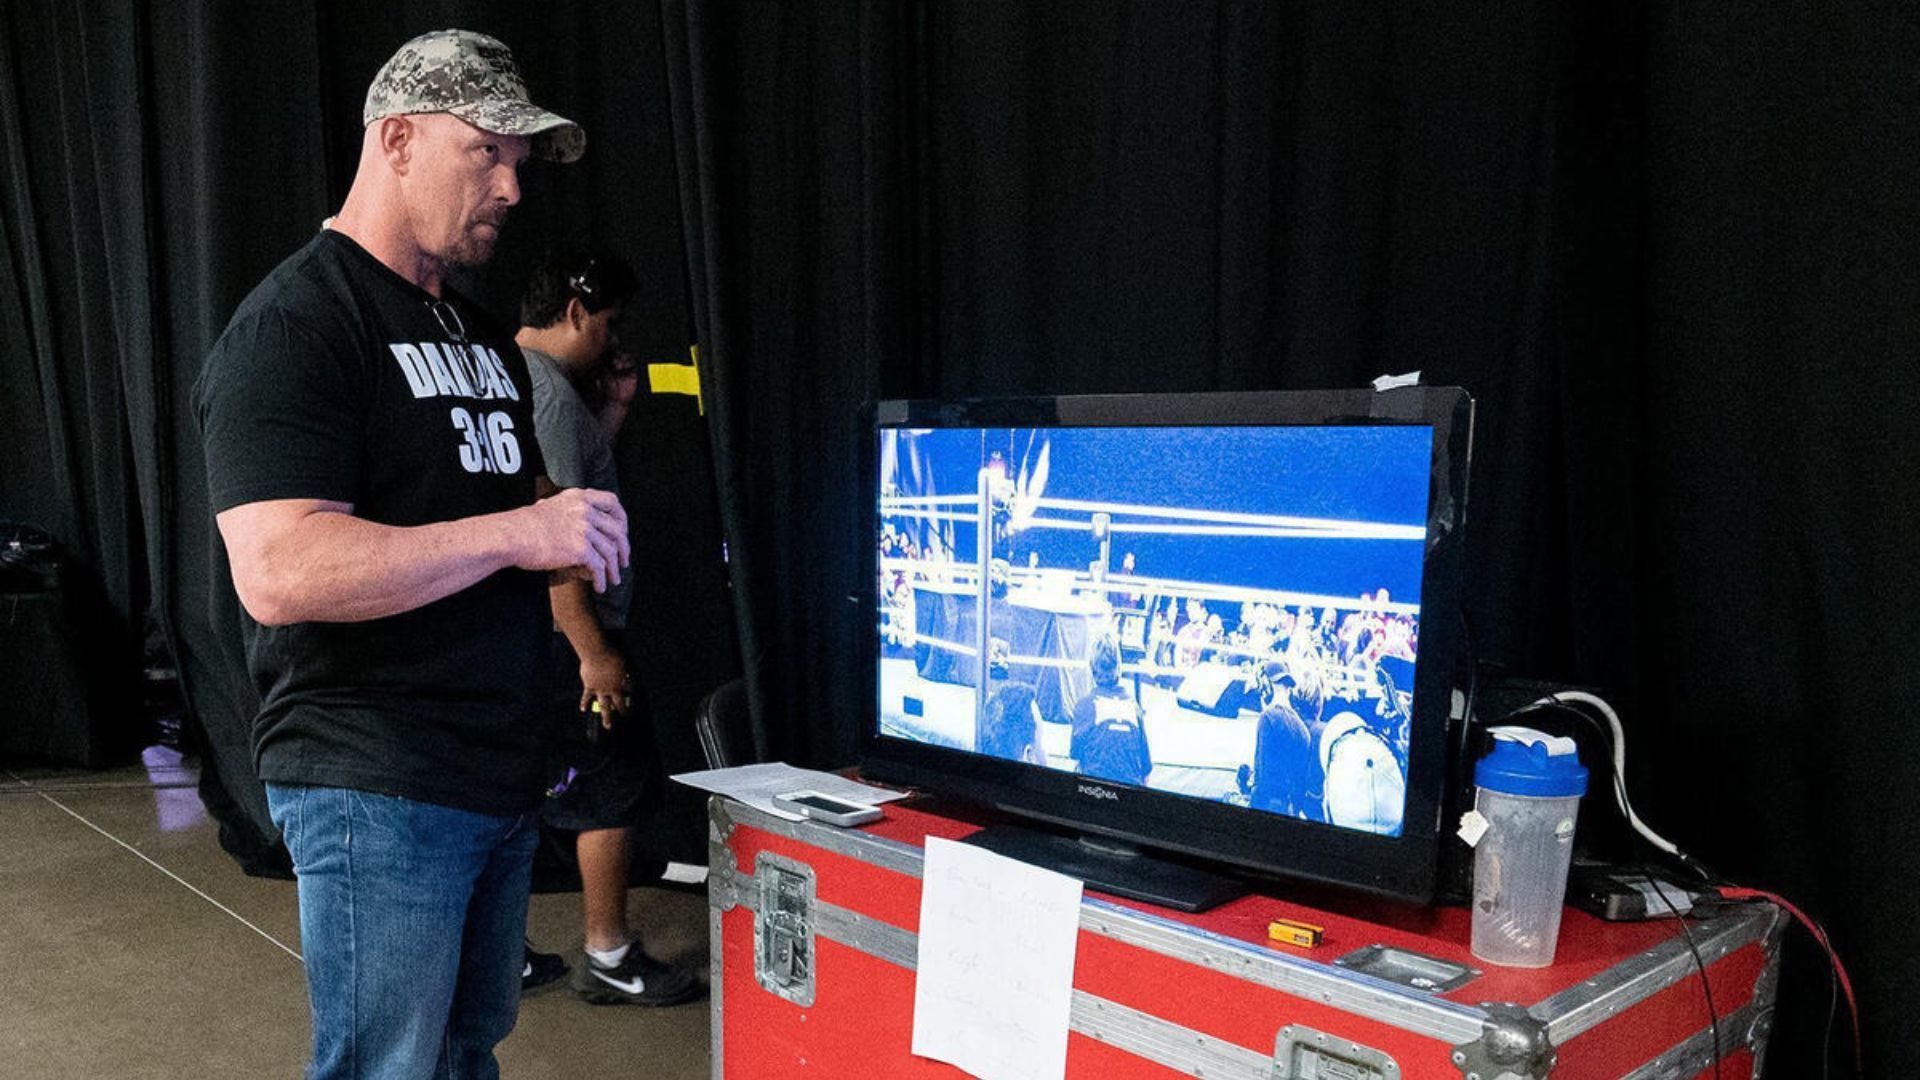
x=607, y=762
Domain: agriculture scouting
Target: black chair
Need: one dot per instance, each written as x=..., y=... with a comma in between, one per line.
x=725, y=727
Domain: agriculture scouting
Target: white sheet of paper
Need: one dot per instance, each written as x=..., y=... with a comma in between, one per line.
x=756, y=785
x=993, y=987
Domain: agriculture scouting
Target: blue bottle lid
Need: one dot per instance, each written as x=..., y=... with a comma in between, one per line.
x=1528, y=762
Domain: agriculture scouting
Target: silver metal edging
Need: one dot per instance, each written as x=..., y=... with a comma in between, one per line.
x=1579, y=1008
x=881, y=940
x=1164, y=1042
x=722, y=897
x=1376, y=999
x=1350, y=991
x=1160, y=1041
x=1695, y=1056
x=716, y=985
x=889, y=854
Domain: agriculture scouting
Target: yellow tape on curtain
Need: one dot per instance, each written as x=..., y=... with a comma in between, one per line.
x=678, y=379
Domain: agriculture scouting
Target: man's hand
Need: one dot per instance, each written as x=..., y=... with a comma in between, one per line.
x=580, y=530
x=603, y=678
x=620, y=382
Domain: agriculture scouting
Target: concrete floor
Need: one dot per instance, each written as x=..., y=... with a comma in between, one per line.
x=133, y=947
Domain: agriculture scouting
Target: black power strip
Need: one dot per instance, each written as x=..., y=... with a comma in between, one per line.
x=1626, y=893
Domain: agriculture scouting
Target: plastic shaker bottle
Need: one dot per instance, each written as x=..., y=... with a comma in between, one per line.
x=1530, y=785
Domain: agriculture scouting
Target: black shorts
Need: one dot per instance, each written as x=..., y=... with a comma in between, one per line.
x=603, y=779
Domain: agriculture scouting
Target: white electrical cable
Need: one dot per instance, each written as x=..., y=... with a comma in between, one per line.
x=1619, y=763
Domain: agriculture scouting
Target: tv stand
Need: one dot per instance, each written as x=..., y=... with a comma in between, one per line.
x=1112, y=866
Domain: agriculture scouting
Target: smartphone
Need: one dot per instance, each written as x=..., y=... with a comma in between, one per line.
x=826, y=808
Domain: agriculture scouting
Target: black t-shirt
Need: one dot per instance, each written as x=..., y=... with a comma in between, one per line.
x=1286, y=766
x=1109, y=737
x=338, y=379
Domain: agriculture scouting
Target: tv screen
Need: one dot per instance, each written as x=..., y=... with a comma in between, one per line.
x=1202, y=622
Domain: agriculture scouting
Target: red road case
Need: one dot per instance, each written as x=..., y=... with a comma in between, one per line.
x=813, y=966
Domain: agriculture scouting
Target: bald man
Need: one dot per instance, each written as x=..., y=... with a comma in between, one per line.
x=373, y=471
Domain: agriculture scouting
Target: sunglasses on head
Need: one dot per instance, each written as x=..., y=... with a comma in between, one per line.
x=585, y=282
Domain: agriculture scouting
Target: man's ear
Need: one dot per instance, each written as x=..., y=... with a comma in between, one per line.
x=397, y=135
x=577, y=314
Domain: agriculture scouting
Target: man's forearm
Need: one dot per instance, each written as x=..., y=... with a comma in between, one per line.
x=612, y=415
x=334, y=567
x=310, y=560
x=573, y=613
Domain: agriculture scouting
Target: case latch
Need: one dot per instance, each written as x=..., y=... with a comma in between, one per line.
x=783, y=927
x=1305, y=1054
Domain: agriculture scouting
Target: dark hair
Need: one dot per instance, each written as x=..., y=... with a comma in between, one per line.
x=1014, y=699
x=1103, y=658
x=1009, y=729
x=596, y=277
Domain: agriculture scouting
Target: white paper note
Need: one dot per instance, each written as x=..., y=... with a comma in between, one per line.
x=756, y=785
x=993, y=988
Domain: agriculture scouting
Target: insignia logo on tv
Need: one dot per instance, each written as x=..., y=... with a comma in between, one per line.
x=1099, y=792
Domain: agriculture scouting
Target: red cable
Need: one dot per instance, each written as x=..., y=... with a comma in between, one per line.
x=1819, y=935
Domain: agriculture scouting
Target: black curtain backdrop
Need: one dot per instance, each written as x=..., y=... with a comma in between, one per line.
x=158, y=160
x=1669, y=248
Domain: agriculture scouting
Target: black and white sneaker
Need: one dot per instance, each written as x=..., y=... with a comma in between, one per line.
x=639, y=979
x=539, y=969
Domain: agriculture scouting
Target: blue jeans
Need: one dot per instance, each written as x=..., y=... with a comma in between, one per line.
x=412, y=922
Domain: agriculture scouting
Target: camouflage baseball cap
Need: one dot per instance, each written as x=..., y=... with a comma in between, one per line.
x=473, y=77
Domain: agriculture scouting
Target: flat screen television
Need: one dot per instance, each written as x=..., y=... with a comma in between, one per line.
x=1222, y=626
